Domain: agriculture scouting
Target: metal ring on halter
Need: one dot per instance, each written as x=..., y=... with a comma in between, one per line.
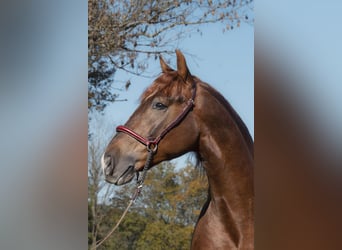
x=152, y=147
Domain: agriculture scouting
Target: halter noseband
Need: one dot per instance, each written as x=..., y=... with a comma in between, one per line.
x=152, y=144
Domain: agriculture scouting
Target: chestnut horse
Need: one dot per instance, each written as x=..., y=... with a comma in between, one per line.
x=178, y=114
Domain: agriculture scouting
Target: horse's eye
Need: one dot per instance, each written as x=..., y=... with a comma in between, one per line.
x=159, y=106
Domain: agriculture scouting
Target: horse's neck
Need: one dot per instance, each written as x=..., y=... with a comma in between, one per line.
x=230, y=173
x=228, y=161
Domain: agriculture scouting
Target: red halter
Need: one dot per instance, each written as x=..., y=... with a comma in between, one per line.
x=152, y=144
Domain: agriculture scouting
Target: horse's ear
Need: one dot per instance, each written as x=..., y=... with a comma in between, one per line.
x=182, y=68
x=165, y=68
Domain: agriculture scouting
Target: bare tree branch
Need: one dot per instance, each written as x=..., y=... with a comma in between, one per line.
x=124, y=34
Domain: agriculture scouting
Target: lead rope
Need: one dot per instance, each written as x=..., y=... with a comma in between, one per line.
x=140, y=182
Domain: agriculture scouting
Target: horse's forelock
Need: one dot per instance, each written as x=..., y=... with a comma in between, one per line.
x=169, y=85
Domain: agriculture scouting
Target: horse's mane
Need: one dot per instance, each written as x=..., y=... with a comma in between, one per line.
x=241, y=125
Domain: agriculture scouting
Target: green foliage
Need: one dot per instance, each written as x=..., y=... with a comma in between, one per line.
x=160, y=235
x=164, y=215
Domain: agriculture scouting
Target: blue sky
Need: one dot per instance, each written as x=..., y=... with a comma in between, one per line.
x=224, y=60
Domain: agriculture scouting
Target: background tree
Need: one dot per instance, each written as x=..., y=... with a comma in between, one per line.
x=95, y=185
x=125, y=34
x=164, y=215
x=99, y=192
x=172, y=209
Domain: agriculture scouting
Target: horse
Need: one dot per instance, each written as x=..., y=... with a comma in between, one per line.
x=179, y=113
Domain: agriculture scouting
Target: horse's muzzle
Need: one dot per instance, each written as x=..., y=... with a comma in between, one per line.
x=117, y=174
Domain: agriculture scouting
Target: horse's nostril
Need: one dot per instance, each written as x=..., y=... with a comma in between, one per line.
x=107, y=164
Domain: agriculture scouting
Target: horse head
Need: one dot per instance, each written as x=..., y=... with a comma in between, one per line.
x=164, y=122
